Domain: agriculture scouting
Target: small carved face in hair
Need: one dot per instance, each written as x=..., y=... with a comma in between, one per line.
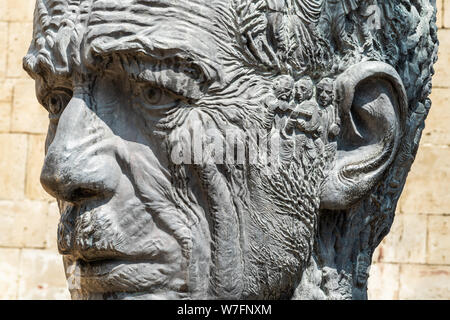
x=303, y=90
x=283, y=88
x=325, y=92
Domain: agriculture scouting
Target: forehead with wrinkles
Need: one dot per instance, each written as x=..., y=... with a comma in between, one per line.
x=68, y=33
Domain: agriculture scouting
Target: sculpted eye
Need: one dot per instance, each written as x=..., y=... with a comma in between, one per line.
x=157, y=97
x=154, y=95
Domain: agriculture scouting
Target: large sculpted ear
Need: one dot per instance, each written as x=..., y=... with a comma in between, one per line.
x=373, y=107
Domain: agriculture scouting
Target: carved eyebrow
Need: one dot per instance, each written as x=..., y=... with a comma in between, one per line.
x=193, y=64
x=180, y=76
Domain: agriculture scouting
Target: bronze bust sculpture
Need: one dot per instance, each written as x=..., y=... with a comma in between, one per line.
x=229, y=149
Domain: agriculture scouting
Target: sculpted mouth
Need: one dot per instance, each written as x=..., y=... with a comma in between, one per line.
x=111, y=275
x=85, y=235
x=89, y=232
x=100, y=268
x=103, y=269
x=106, y=252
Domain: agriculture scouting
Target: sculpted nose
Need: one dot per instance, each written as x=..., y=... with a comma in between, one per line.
x=77, y=165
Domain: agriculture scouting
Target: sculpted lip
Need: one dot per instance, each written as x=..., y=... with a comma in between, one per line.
x=104, y=267
x=112, y=275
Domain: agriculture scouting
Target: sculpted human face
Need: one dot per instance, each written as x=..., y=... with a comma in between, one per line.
x=325, y=92
x=303, y=90
x=156, y=109
x=283, y=88
x=134, y=222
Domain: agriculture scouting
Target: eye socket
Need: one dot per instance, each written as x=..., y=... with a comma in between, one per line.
x=56, y=102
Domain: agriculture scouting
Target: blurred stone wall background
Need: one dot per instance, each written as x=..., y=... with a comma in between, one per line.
x=413, y=261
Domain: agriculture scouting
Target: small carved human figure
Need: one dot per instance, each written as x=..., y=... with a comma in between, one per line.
x=325, y=97
x=283, y=89
x=324, y=94
x=304, y=120
x=279, y=105
x=303, y=90
x=333, y=21
x=367, y=17
x=362, y=268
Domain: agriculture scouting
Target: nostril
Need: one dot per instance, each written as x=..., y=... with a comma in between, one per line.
x=81, y=193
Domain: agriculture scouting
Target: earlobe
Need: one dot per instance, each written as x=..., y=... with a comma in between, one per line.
x=372, y=106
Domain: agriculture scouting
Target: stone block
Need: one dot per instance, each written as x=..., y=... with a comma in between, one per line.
x=437, y=131
x=383, y=281
x=35, y=159
x=9, y=273
x=5, y=116
x=3, y=48
x=442, y=67
x=439, y=13
x=446, y=14
x=42, y=276
x=19, y=38
x=406, y=243
x=3, y=6
x=426, y=190
x=6, y=89
x=28, y=115
x=17, y=10
x=439, y=240
x=422, y=282
x=23, y=223
x=13, y=154
x=52, y=226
